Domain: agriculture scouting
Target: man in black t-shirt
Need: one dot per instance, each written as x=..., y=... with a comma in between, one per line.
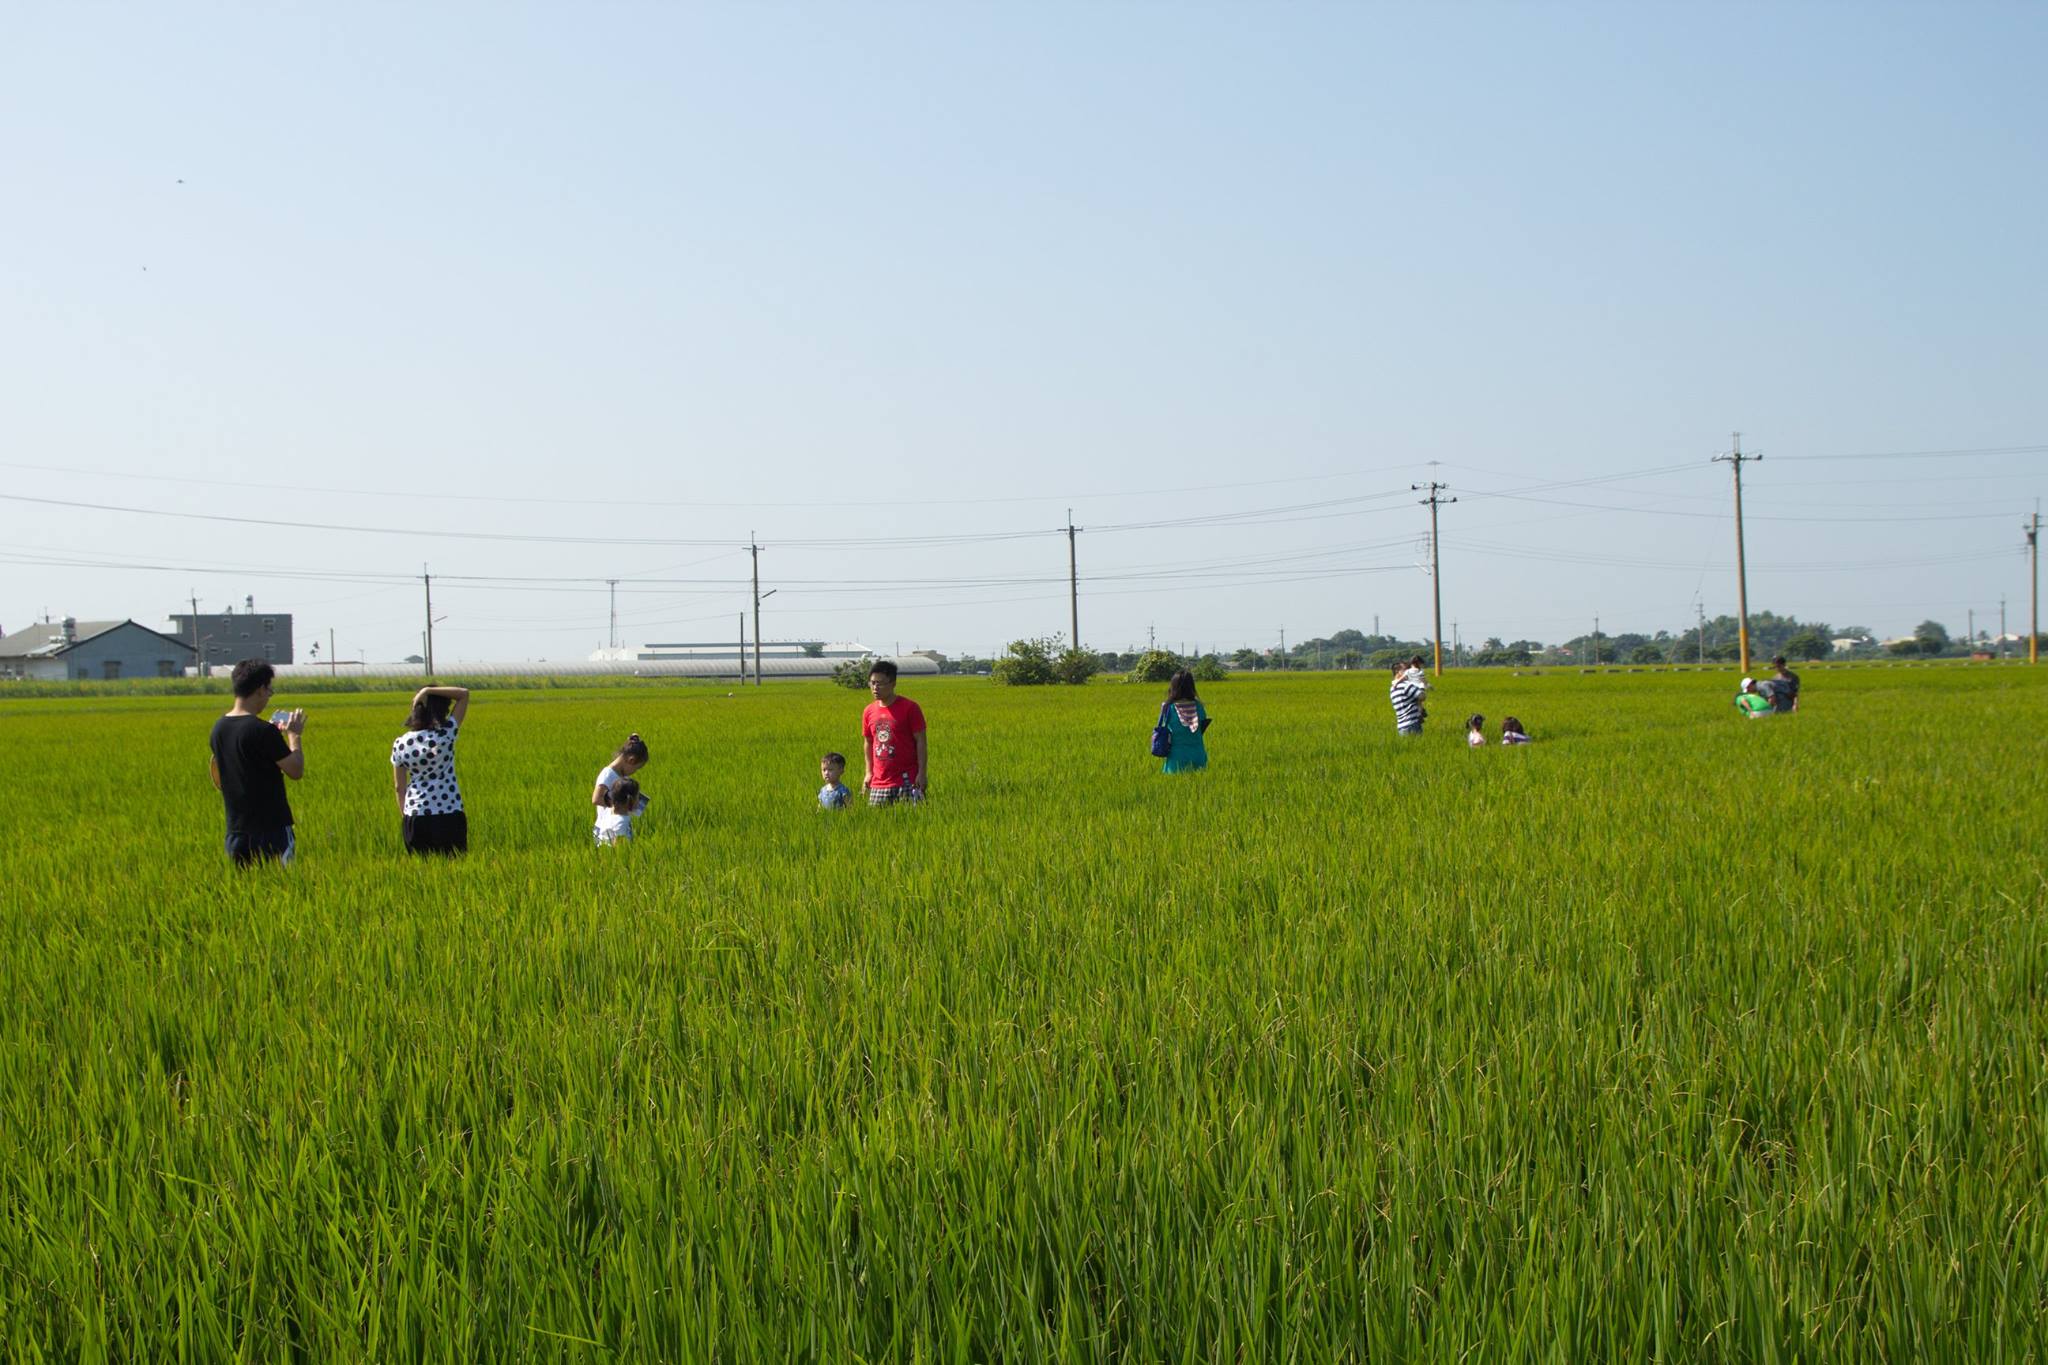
x=1783, y=690
x=252, y=757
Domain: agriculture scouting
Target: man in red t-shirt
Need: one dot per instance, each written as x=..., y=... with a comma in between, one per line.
x=893, y=753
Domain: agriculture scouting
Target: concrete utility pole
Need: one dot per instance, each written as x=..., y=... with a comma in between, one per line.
x=1972, y=636
x=612, y=636
x=1736, y=459
x=756, y=551
x=1596, y=639
x=2033, y=529
x=1073, y=585
x=1702, y=609
x=198, y=662
x=1436, y=578
x=427, y=580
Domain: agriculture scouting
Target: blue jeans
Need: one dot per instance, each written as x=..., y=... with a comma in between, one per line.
x=263, y=845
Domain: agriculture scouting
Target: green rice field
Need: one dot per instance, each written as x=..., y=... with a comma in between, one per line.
x=1672, y=1036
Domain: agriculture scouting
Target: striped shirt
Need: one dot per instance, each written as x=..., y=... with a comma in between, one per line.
x=1406, y=695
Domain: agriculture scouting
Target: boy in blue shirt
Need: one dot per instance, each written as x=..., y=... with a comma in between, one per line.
x=834, y=794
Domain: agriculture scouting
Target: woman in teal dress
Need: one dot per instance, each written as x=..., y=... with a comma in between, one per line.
x=1185, y=721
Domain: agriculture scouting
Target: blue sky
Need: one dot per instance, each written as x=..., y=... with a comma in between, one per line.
x=638, y=281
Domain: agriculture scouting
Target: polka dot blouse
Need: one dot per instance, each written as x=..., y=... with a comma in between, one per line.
x=428, y=756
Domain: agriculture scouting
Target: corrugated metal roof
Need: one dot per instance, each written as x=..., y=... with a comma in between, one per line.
x=43, y=639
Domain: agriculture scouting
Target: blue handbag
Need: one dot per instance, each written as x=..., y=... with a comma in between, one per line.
x=1162, y=737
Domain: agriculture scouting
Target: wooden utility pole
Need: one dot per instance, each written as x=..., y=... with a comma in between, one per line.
x=756, y=551
x=427, y=580
x=1736, y=459
x=2034, y=611
x=1073, y=585
x=1436, y=580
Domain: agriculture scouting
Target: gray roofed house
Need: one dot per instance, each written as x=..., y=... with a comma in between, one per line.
x=72, y=650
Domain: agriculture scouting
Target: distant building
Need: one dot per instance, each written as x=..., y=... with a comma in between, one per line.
x=723, y=658
x=232, y=636
x=74, y=650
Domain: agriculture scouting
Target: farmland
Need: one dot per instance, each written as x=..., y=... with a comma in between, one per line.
x=1671, y=1036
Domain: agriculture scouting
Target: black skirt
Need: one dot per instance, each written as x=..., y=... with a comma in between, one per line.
x=436, y=833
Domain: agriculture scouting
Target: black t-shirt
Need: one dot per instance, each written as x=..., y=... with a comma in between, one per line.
x=1786, y=691
x=248, y=749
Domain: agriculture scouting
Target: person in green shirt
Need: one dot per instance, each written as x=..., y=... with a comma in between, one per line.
x=1185, y=719
x=1751, y=701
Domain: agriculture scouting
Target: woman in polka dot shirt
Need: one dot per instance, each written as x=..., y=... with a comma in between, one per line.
x=431, y=818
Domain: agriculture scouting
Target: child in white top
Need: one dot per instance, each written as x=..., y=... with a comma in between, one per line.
x=616, y=813
x=1511, y=732
x=1475, y=732
x=630, y=759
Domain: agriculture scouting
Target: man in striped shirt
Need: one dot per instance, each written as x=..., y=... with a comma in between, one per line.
x=1406, y=694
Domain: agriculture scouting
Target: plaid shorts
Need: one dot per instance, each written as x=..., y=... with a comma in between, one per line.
x=889, y=796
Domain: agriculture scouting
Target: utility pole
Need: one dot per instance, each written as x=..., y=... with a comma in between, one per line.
x=1596, y=639
x=1701, y=607
x=2034, y=611
x=198, y=663
x=1375, y=625
x=1436, y=582
x=1283, y=647
x=2001, y=625
x=1972, y=636
x=612, y=636
x=1073, y=585
x=427, y=580
x=1736, y=459
x=756, y=551
x=1457, y=646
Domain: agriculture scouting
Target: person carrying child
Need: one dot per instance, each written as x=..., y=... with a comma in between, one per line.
x=834, y=794
x=622, y=803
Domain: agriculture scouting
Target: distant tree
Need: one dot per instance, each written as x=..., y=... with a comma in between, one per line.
x=1932, y=635
x=1155, y=666
x=1646, y=653
x=1910, y=645
x=1727, y=651
x=851, y=673
x=1350, y=659
x=1076, y=665
x=1209, y=668
x=1026, y=663
x=1246, y=658
x=1807, y=645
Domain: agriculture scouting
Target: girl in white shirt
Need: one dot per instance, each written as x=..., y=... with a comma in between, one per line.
x=1475, y=732
x=616, y=812
x=630, y=759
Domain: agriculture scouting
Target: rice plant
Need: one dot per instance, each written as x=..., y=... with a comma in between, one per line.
x=1671, y=1036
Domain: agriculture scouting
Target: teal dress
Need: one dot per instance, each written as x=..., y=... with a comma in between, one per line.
x=1189, y=753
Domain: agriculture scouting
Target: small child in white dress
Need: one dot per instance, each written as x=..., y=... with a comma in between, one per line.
x=1475, y=732
x=620, y=806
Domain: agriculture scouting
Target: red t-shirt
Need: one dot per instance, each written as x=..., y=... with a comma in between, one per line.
x=891, y=733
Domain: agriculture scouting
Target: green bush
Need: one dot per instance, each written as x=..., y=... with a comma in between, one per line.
x=1026, y=663
x=852, y=673
x=1155, y=666
x=1209, y=668
x=1076, y=665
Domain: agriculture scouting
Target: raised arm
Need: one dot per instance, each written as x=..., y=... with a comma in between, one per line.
x=293, y=764
x=458, y=698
